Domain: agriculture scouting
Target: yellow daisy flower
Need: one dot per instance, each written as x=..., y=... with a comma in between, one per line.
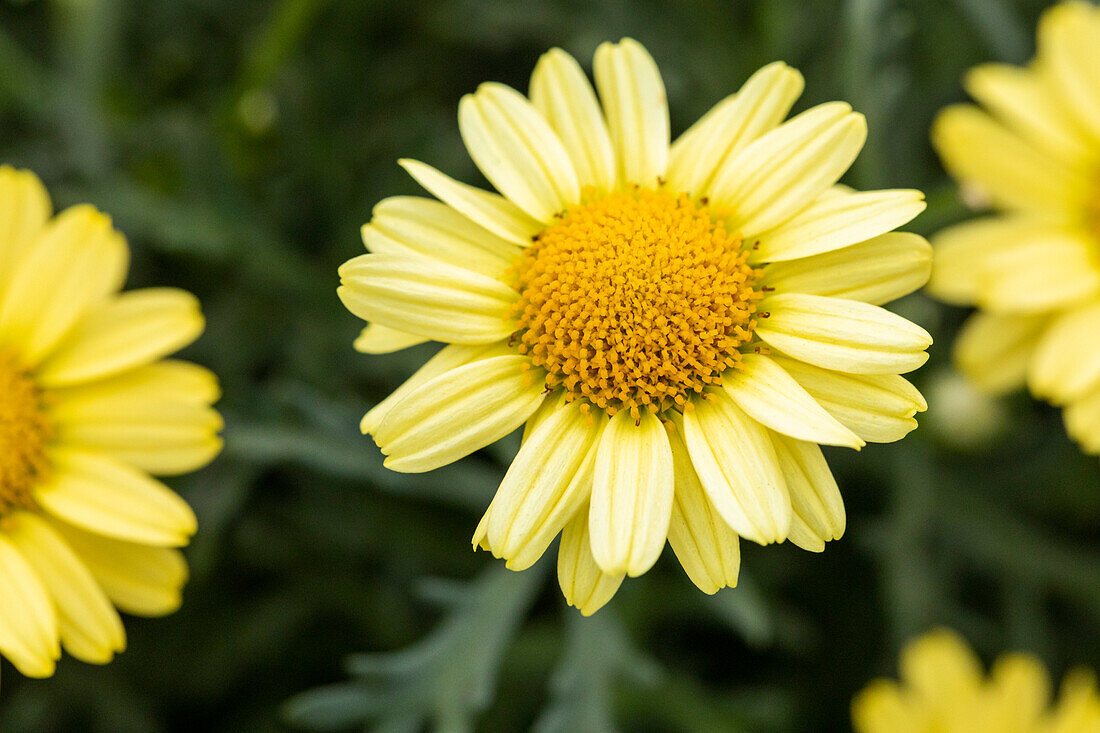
x=678, y=327
x=87, y=411
x=943, y=690
x=1033, y=267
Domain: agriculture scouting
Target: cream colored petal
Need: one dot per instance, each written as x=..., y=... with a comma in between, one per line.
x=737, y=466
x=446, y=359
x=378, y=339
x=583, y=584
x=837, y=220
x=89, y=625
x=131, y=330
x=139, y=579
x=704, y=544
x=24, y=209
x=772, y=397
x=548, y=407
x=516, y=149
x=1050, y=269
x=877, y=407
x=993, y=350
x=560, y=91
x=815, y=498
x=634, y=101
x=876, y=271
x=979, y=151
x=459, y=412
x=495, y=213
x=631, y=494
x=1069, y=50
x=1066, y=363
x=77, y=260
x=1082, y=418
x=845, y=335
x=783, y=171
x=413, y=225
x=106, y=496
x=940, y=666
x=434, y=300
x=961, y=253
x=546, y=485
x=1027, y=104
x=29, y=636
x=761, y=104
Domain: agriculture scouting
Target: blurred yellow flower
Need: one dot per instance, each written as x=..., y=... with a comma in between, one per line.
x=679, y=326
x=87, y=411
x=1033, y=268
x=943, y=690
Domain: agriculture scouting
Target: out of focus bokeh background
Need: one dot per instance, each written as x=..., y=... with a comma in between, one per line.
x=241, y=144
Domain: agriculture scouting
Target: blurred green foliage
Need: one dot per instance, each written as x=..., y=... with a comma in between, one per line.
x=240, y=145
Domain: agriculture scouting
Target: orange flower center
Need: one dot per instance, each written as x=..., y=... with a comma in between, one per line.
x=24, y=433
x=635, y=300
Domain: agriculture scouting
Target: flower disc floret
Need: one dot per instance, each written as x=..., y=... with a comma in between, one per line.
x=635, y=300
x=24, y=432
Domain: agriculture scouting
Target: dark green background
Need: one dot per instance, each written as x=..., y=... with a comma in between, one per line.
x=240, y=145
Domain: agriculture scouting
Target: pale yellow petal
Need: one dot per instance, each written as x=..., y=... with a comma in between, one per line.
x=704, y=544
x=631, y=494
x=547, y=483
x=584, y=585
x=785, y=170
x=517, y=150
x=1049, y=269
x=979, y=151
x=993, y=350
x=29, y=635
x=877, y=407
x=941, y=667
x=139, y=579
x=845, y=335
x=1066, y=364
x=1082, y=418
x=560, y=91
x=446, y=359
x=24, y=209
x=111, y=498
x=428, y=298
x=761, y=104
x=1021, y=688
x=634, y=101
x=881, y=707
x=131, y=330
x=815, y=498
x=409, y=225
x=835, y=220
x=459, y=412
x=495, y=213
x=962, y=252
x=88, y=623
x=77, y=261
x=1069, y=50
x=737, y=465
x=378, y=339
x=1022, y=99
x=772, y=397
x=877, y=271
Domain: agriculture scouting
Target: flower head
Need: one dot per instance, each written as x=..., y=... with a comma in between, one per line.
x=1032, y=267
x=944, y=690
x=677, y=326
x=88, y=410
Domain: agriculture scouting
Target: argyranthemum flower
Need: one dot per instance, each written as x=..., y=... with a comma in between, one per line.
x=1033, y=267
x=943, y=689
x=677, y=327
x=88, y=409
